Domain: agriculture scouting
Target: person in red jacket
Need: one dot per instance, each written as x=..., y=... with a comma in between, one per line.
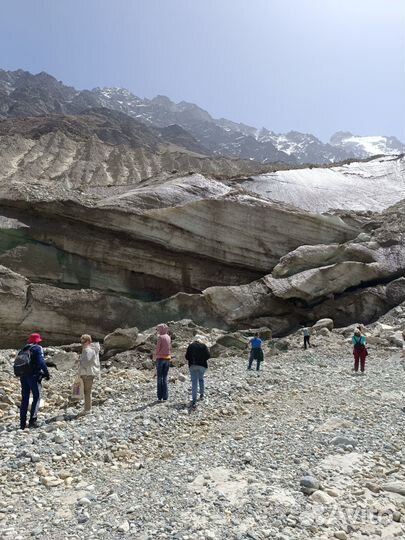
x=162, y=357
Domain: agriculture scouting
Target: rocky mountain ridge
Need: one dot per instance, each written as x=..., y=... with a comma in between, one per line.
x=23, y=94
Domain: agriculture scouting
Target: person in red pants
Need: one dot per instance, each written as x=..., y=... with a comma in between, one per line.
x=359, y=351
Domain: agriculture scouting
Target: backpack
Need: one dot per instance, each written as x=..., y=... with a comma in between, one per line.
x=359, y=345
x=22, y=362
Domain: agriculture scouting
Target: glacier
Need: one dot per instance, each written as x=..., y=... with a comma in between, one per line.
x=373, y=185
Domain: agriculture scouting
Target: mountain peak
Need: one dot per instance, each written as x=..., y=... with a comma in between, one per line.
x=337, y=137
x=162, y=100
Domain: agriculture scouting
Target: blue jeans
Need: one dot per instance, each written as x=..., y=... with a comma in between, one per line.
x=197, y=379
x=162, y=371
x=29, y=383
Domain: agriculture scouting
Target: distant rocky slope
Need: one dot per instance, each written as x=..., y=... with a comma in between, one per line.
x=24, y=94
x=112, y=221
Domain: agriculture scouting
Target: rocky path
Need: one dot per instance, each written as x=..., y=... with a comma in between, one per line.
x=231, y=469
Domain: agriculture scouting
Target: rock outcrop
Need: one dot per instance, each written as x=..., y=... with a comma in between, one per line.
x=88, y=227
x=78, y=211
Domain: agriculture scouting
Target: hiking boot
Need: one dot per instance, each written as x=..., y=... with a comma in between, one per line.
x=33, y=423
x=201, y=396
x=23, y=426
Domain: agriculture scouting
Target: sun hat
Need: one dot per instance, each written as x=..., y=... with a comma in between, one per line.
x=35, y=338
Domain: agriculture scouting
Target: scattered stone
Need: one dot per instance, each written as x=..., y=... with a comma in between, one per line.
x=375, y=488
x=124, y=526
x=134, y=467
x=321, y=497
x=309, y=484
x=341, y=535
x=395, y=487
x=343, y=441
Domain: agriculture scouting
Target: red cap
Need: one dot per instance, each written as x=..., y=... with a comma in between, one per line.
x=35, y=338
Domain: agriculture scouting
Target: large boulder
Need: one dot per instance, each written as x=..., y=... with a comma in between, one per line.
x=323, y=323
x=62, y=360
x=234, y=341
x=122, y=339
x=264, y=333
x=396, y=339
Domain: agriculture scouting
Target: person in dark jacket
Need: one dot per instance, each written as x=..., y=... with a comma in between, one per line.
x=197, y=355
x=32, y=382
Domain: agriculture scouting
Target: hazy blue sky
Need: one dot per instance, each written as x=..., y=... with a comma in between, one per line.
x=311, y=65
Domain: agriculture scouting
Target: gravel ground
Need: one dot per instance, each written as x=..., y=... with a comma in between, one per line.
x=233, y=468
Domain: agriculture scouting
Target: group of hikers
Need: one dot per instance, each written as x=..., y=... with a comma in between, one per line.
x=359, y=342
x=31, y=368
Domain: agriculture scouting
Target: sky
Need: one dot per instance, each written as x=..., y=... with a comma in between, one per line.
x=317, y=66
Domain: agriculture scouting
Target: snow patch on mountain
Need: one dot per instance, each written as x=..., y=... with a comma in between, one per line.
x=367, y=146
x=373, y=185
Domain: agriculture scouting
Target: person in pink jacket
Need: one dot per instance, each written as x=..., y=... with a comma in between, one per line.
x=162, y=357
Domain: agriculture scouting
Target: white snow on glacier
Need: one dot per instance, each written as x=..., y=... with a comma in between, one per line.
x=372, y=185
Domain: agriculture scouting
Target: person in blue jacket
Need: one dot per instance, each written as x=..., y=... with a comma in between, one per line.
x=32, y=381
x=256, y=352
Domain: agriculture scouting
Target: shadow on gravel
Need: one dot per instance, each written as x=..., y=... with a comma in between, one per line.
x=176, y=406
x=65, y=417
x=179, y=406
x=148, y=406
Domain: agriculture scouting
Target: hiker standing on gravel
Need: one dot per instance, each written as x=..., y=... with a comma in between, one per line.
x=359, y=351
x=307, y=334
x=31, y=368
x=162, y=356
x=256, y=352
x=403, y=344
x=89, y=368
x=197, y=355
